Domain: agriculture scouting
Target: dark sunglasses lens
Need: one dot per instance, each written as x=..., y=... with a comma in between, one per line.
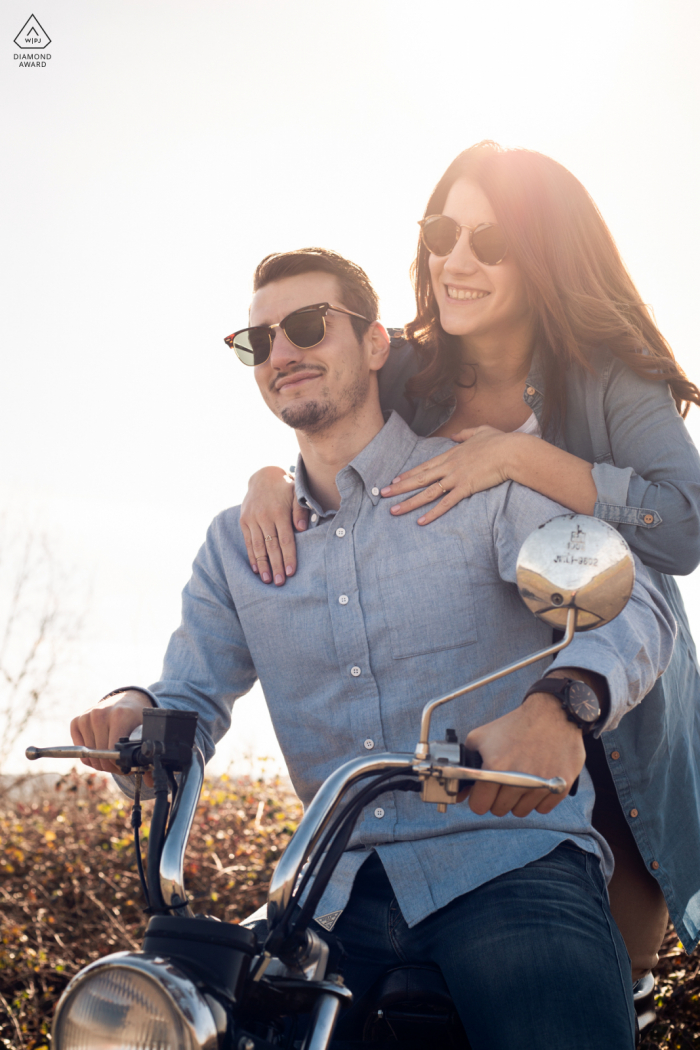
x=252, y=346
x=440, y=235
x=489, y=244
x=305, y=328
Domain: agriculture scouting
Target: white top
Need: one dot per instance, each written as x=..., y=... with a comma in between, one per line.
x=530, y=426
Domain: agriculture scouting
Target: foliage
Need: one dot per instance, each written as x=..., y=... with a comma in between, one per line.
x=69, y=894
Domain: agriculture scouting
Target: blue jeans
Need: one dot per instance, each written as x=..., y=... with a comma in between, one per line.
x=533, y=959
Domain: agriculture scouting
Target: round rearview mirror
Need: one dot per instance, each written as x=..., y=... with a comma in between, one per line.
x=574, y=561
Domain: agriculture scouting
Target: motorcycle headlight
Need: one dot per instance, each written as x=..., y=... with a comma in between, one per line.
x=133, y=1002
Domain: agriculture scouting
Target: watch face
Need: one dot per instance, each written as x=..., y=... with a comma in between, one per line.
x=583, y=702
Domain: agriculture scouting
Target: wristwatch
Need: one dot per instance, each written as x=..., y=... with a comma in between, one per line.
x=579, y=701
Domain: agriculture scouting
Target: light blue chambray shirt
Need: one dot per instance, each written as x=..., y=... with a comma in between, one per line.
x=375, y=622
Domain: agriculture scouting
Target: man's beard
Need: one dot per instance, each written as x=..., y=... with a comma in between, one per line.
x=313, y=417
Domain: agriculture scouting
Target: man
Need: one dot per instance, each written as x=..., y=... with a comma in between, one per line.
x=506, y=893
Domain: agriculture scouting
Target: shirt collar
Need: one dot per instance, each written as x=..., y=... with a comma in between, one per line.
x=377, y=465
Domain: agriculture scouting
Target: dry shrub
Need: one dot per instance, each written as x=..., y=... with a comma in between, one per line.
x=69, y=894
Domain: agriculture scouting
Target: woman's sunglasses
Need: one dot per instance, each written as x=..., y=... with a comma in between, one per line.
x=303, y=328
x=440, y=234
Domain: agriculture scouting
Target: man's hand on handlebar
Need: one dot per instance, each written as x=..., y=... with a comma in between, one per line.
x=535, y=738
x=101, y=726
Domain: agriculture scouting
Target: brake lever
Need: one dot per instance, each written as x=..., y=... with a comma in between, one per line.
x=467, y=776
x=475, y=761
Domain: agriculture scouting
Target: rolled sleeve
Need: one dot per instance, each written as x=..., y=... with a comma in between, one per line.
x=616, y=493
x=659, y=484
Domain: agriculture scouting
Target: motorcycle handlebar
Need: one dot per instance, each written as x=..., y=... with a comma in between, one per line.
x=494, y=776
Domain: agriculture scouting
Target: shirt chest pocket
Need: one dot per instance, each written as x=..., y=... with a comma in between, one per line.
x=429, y=606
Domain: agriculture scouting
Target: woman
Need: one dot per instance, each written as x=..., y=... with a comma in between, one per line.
x=527, y=327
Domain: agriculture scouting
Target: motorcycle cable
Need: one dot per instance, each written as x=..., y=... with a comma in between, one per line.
x=156, y=838
x=359, y=800
x=172, y=781
x=136, y=824
x=336, y=850
x=343, y=823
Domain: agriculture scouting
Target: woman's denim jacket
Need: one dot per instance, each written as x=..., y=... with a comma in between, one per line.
x=647, y=473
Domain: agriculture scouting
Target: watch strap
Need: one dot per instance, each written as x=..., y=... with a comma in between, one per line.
x=559, y=687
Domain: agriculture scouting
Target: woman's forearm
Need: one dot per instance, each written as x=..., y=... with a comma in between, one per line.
x=556, y=474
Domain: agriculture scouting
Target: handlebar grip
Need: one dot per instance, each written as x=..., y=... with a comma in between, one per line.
x=472, y=759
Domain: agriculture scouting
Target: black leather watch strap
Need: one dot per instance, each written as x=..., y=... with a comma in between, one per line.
x=560, y=687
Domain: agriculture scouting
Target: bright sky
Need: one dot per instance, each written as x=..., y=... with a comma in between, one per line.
x=168, y=145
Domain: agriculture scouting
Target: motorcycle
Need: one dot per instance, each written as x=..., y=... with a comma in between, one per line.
x=202, y=984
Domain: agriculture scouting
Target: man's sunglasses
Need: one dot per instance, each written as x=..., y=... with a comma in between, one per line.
x=303, y=328
x=440, y=234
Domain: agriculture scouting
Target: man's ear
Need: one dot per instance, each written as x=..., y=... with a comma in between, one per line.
x=379, y=345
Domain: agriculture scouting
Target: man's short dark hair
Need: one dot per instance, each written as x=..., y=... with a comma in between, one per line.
x=356, y=289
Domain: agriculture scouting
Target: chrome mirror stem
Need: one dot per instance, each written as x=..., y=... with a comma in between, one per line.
x=422, y=748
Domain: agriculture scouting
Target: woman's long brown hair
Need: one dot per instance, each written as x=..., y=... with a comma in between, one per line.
x=582, y=295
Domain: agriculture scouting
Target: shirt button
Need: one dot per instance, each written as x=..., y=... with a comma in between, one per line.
x=634, y=812
x=355, y=671
x=655, y=865
x=343, y=599
x=648, y=518
x=530, y=391
x=314, y=517
x=369, y=744
x=340, y=533
x=375, y=491
x=379, y=813
x=615, y=755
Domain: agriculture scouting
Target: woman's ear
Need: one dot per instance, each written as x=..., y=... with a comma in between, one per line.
x=379, y=344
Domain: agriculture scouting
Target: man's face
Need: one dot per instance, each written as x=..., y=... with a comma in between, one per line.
x=310, y=390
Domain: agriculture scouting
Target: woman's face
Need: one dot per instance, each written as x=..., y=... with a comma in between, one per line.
x=476, y=300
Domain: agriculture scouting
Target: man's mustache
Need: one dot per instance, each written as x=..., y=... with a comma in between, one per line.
x=293, y=371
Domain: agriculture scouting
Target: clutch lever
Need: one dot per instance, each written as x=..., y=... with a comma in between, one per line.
x=128, y=754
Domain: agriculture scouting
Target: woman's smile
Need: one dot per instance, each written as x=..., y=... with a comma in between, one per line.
x=464, y=293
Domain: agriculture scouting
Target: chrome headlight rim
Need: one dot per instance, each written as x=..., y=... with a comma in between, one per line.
x=192, y=1008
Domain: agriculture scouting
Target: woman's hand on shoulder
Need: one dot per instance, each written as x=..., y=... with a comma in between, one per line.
x=269, y=515
x=480, y=459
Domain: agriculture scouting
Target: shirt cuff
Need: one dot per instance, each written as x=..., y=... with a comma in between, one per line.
x=612, y=483
x=133, y=689
x=607, y=664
